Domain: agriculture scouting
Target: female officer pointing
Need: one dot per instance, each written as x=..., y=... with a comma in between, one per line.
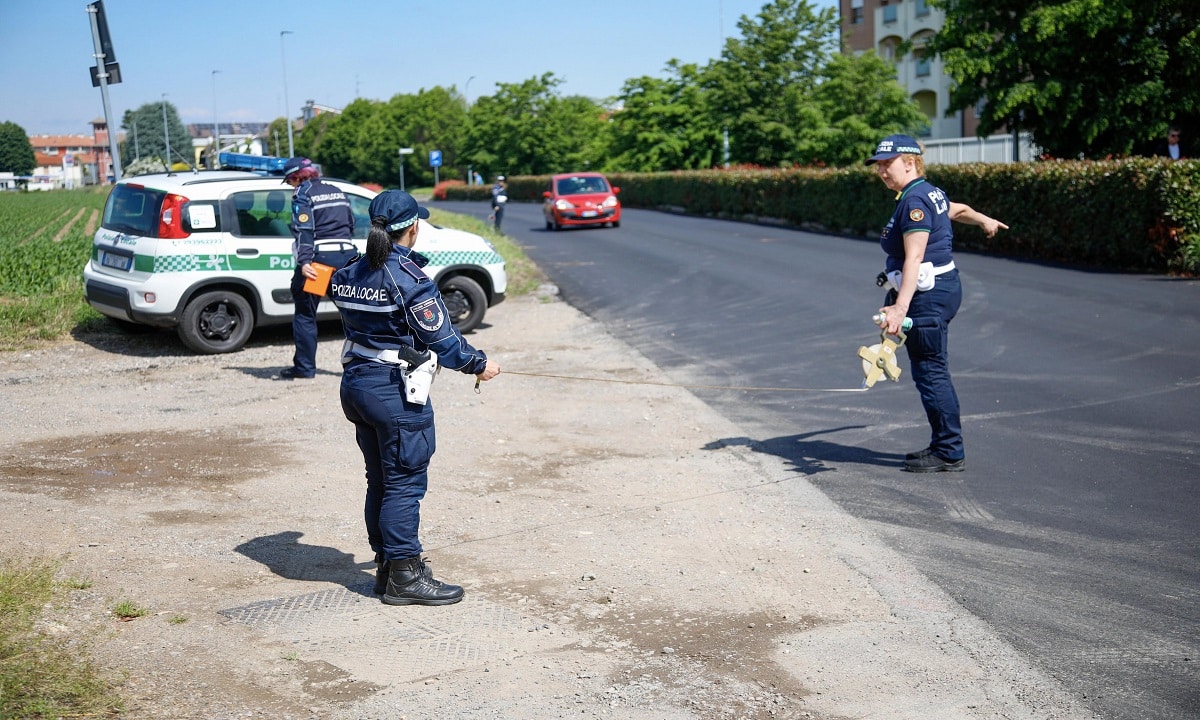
x=918, y=241
x=393, y=316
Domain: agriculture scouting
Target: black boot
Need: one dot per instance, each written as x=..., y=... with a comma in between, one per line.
x=410, y=583
x=381, y=574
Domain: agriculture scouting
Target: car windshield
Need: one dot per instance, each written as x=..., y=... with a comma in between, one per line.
x=581, y=185
x=133, y=210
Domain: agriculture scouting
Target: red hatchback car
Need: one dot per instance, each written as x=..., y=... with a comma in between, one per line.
x=581, y=199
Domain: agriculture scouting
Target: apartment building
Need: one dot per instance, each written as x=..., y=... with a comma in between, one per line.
x=882, y=25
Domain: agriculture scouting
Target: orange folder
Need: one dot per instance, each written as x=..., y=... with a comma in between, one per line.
x=320, y=284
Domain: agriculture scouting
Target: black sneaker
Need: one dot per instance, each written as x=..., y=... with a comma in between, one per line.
x=918, y=455
x=932, y=463
x=294, y=374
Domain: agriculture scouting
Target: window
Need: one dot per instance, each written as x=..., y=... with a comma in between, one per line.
x=133, y=210
x=922, y=66
x=889, y=13
x=922, y=8
x=856, y=12
x=264, y=213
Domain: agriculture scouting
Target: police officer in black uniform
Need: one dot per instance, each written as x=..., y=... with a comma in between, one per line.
x=320, y=211
x=919, y=243
x=394, y=317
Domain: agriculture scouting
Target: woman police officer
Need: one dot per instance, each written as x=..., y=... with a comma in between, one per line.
x=918, y=241
x=393, y=315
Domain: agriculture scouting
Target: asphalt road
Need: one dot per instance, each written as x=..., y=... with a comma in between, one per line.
x=1073, y=532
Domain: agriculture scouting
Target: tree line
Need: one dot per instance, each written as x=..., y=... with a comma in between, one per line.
x=1087, y=78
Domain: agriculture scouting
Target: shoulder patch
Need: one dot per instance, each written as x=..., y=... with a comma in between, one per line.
x=304, y=217
x=916, y=214
x=428, y=314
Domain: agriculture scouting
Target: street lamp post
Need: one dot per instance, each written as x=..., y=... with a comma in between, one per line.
x=212, y=159
x=286, y=118
x=467, y=90
x=166, y=131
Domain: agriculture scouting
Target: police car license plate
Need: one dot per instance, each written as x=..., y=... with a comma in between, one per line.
x=112, y=260
x=588, y=213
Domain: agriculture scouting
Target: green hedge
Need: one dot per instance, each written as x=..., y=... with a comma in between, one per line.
x=1138, y=214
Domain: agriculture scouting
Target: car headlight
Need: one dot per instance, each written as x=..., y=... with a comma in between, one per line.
x=610, y=201
x=561, y=204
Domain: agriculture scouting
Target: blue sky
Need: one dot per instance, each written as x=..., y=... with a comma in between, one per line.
x=338, y=50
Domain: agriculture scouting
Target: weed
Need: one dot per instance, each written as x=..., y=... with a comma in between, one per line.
x=42, y=677
x=128, y=610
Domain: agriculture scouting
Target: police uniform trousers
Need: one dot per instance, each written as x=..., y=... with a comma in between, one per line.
x=931, y=312
x=304, y=326
x=397, y=440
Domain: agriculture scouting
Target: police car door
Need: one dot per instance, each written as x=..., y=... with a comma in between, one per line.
x=260, y=241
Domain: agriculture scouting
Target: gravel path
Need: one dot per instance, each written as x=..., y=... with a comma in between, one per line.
x=624, y=554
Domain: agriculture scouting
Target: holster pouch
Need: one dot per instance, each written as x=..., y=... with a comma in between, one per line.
x=418, y=380
x=924, y=278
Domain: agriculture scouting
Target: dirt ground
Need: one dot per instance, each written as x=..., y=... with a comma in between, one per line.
x=623, y=556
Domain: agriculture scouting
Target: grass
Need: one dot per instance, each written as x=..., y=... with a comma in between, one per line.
x=42, y=676
x=34, y=315
x=128, y=610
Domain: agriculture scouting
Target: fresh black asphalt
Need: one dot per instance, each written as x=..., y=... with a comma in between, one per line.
x=1074, y=530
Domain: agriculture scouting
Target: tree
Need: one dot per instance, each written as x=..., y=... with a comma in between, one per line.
x=340, y=138
x=277, y=139
x=860, y=102
x=761, y=87
x=1085, y=77
x=151, y=140
x=663, y=124
x=432, y=119
x=527, y=129
x=16, y=152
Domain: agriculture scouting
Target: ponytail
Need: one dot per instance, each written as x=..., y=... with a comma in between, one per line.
x=379, y=243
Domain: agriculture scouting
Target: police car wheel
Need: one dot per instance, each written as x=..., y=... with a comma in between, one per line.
x=214, y=322
x=465, y=302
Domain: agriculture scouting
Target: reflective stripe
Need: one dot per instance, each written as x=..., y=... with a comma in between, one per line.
x=351, y=349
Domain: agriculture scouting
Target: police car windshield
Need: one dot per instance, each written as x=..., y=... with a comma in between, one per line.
x=133, y=210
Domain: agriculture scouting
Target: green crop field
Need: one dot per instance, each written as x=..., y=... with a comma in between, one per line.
x=45, y=240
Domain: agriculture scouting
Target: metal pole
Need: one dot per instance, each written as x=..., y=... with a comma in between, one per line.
x=286, y=117
x=467, y=90
x=137, y=151
x=102, y=75
x=166, y=132
x=212, y=160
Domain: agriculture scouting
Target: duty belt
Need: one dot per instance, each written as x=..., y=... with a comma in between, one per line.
x=404, y=355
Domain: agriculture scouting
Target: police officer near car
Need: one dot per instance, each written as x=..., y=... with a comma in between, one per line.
x=924, y=286
x=499, y=198
x=320, y=212
x=398, y=333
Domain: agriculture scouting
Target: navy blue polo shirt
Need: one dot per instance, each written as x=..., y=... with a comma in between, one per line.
x=921, y=206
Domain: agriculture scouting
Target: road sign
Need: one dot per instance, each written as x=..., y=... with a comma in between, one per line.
x=406, y=151
x=435, y=158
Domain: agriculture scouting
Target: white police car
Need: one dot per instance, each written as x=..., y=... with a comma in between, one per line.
x=210, y=254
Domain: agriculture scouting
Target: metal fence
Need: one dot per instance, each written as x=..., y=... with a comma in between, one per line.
x=992, y=149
